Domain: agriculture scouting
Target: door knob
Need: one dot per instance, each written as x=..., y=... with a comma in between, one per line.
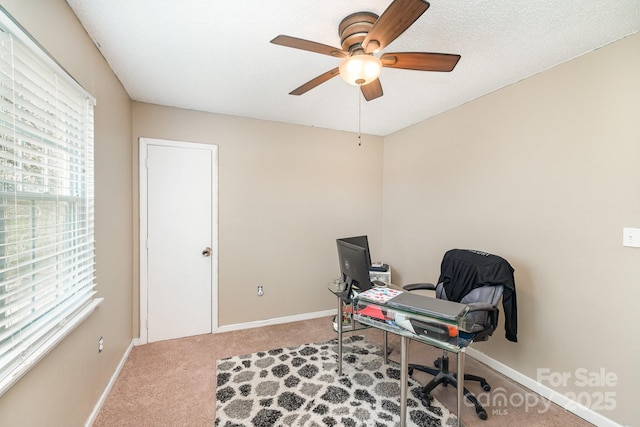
x=207, y=251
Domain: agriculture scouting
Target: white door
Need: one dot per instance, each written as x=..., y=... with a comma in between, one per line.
x=180, y=242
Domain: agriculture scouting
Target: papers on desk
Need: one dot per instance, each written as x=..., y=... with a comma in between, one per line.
x=404, y=322
x=379, y=295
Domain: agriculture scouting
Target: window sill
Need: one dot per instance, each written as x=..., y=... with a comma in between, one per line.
x=34, y=358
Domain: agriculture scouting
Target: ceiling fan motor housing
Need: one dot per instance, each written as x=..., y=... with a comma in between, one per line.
x=354, y=29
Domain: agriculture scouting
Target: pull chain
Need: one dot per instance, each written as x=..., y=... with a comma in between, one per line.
x=359, y=117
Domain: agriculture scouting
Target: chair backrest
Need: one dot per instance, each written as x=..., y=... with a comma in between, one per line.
x=486, y=294
x=478, y=321
x=477, y=279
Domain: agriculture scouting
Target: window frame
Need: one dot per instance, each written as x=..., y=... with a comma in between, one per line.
x=65, y=315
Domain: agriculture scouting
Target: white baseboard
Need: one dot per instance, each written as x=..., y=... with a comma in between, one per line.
x=544, y=391
x=276, y=321
x=107, y=389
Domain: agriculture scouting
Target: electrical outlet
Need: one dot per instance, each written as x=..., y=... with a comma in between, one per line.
x=260, y=290
x=100, y=345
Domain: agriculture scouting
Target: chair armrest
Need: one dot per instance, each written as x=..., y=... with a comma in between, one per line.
x=492, y=313
x=416, y=286
x=491, y=310
x=480, y=306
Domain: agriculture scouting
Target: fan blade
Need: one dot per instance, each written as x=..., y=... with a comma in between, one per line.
x=315, y=82
x=372, y=90
x=310, y=46
x=421, y=61
x=394, y=21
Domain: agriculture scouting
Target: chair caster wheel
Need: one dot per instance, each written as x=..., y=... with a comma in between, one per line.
x=426, y=399
x=486, y=387
x=410, y=371
x=437, y=363
x=482, y=414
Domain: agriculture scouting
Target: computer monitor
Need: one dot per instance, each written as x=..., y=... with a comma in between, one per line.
x=354, y=265
x=361, y=241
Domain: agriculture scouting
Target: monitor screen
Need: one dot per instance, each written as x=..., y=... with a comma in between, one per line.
x=354, y=265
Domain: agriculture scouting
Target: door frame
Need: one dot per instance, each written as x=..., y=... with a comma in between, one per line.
x=144, y=142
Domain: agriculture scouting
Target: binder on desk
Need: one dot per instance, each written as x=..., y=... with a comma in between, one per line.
x=428, y=306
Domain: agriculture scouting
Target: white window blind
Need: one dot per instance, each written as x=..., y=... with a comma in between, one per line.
x=46, y=203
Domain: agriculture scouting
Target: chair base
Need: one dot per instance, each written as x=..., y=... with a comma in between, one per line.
x=445, y=377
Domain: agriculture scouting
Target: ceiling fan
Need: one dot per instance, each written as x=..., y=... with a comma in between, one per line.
x=361, y=35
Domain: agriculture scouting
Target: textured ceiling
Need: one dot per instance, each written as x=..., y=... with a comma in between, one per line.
x=215, y=55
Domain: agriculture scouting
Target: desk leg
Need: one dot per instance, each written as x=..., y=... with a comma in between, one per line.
x=404, y=374
x=339, y=319
x=460, y=376
x=385, y=346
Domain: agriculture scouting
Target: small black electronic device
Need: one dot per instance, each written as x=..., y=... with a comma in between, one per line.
x=433, y=330
x=379, y=267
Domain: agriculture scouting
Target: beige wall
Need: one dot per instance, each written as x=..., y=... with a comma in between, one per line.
x=545, y=173
x=286, y=192
x=66, y=384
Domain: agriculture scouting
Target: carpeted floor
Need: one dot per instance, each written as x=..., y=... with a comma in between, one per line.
x=300, y=386
x=173, y=383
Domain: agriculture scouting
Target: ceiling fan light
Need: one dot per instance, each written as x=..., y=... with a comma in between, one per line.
x=360, y=69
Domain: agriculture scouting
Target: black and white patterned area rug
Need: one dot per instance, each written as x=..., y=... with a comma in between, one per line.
x=299, y=386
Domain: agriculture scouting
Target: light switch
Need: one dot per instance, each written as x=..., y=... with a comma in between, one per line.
x=631, y=237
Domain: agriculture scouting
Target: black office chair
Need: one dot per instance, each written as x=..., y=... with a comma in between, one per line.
x=479, y=280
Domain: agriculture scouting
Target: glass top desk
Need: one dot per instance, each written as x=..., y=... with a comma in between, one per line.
x=431, y=329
